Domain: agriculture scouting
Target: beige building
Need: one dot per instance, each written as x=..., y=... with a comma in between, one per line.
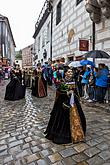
x=27, y=57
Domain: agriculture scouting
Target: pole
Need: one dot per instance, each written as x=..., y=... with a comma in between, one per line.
x=2, y=40
x=51, y=33
x=93, y=35
x=93, y=42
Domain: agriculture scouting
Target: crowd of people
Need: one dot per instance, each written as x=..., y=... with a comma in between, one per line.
x=93, y=84
x=67, y=121
x=4, y=73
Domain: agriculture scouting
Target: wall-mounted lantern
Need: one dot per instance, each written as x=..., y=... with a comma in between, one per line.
x=45, y=54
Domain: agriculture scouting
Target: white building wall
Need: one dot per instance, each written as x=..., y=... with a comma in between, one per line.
x=47, y=41
x=103, y=35
x=76, y=17
x=73, y=17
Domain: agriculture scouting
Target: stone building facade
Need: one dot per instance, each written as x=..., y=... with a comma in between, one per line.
x=7, y=43
x=42, y=35
x=71, y=23
x=27, y=57
x=73, y=16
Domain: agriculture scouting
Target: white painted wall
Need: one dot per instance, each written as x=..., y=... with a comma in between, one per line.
x=47, y=42
x=74, y=17
x=103, y=35
x=77, y=18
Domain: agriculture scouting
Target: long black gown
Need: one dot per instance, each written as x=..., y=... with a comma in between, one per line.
x=67, y=124
x=14, y=90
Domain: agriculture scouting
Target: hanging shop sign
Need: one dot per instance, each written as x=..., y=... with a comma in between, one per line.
x=83, y=45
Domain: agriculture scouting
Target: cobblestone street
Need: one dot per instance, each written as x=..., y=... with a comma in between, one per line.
x=22, y=141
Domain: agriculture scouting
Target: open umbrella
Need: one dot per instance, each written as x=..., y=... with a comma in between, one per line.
x=75, y=64
x=96, y=54
x=86, y=62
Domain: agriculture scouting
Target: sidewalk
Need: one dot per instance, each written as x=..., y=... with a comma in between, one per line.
x=103, y=106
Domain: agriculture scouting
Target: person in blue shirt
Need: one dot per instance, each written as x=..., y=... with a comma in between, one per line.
x=85, y=81
x=101, y=82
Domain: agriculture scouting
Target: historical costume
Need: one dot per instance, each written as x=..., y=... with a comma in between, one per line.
x=67, y=121
x=39, y=84
x=27, y=77
x=15, y=90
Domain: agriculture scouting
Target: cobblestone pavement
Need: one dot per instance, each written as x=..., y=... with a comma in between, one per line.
x=22, y=141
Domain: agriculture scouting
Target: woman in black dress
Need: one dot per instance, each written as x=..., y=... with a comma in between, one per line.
x=15, y=90
x=67, y=121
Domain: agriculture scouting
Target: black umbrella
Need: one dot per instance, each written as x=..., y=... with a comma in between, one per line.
x=96, y=54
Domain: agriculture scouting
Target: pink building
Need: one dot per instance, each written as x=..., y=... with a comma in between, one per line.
x=27, y=57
